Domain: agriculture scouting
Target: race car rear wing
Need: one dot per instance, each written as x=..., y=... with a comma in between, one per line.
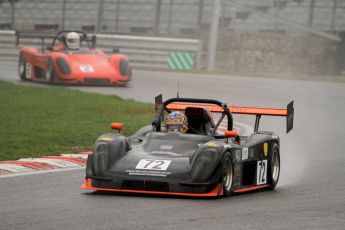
x=43, y=36
x=33, y=35
x=258, y=112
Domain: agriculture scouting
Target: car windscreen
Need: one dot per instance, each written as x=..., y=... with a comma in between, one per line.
x=82, y=51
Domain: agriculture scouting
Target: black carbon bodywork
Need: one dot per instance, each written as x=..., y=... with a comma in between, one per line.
x=63, y=66
x=194, y=161
x=172, y=162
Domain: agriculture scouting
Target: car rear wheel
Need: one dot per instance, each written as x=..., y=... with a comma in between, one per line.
x=274, y=167
x=50, y=73
x=22, y=68
x=227, y=177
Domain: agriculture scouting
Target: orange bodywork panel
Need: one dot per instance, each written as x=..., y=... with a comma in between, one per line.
x=234, y=109
x=251, y=188
x=217, y=191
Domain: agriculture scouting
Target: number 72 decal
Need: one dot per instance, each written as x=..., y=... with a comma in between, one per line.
x=261, y=172
x=150, y=164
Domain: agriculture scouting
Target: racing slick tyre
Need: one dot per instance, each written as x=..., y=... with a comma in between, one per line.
x=50, y=73
x=273, y=167
x=22, y=65
x=227, y=177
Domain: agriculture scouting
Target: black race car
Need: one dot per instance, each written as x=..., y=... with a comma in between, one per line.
x=202, y=162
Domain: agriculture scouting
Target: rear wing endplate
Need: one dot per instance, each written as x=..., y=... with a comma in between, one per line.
x=156, y=124
x=289, y=117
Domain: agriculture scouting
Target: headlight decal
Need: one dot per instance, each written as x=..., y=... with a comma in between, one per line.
x=63, y=66
x=205, y=164
x=100, y=157
x=124, y=67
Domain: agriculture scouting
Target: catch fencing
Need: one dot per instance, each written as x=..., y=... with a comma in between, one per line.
x=172, y=17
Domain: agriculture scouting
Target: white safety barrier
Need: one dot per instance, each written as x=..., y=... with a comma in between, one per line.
x=151, y=52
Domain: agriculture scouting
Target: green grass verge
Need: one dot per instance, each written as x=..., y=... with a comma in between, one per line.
x=37, y=121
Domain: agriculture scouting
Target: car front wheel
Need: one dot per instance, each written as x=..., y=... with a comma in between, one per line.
x=50, y=73
x=22, y=68
x=227, y=177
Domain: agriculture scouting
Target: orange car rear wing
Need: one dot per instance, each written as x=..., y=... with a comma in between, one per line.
x=258, y=112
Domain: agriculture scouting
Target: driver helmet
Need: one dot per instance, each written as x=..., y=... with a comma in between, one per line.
x=73, y=41
x=176, y=122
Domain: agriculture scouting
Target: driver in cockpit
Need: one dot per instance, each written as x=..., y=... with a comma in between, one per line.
x=73, y=41
x=69, y=42
x=176, y=122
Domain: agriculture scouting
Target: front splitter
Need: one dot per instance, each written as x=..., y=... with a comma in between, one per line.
x=217, y=191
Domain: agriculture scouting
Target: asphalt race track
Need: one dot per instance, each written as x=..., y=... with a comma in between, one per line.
x=310, y=194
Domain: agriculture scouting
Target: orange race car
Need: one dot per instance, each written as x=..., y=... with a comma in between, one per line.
x=71, y=59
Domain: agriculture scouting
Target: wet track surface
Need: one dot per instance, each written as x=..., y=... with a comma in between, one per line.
x=310, y=194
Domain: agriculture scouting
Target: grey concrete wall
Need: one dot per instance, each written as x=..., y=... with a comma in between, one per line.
x=266, y=53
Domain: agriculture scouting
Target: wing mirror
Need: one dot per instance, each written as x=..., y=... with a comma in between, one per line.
x=230, y=133
x=117, y=126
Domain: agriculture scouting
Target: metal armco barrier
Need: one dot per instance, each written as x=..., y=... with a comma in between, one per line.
x=149, y=52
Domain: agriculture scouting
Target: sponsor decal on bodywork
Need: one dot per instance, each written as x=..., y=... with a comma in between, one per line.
x=245, y=154
x=150, y=167
x=28, y=70
x=105, y=139
x=135, y=172
x=166, y=147
x=265, y=149
x=86, y=68
x=261, y=175
x=149, y=164
x=212, y=144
